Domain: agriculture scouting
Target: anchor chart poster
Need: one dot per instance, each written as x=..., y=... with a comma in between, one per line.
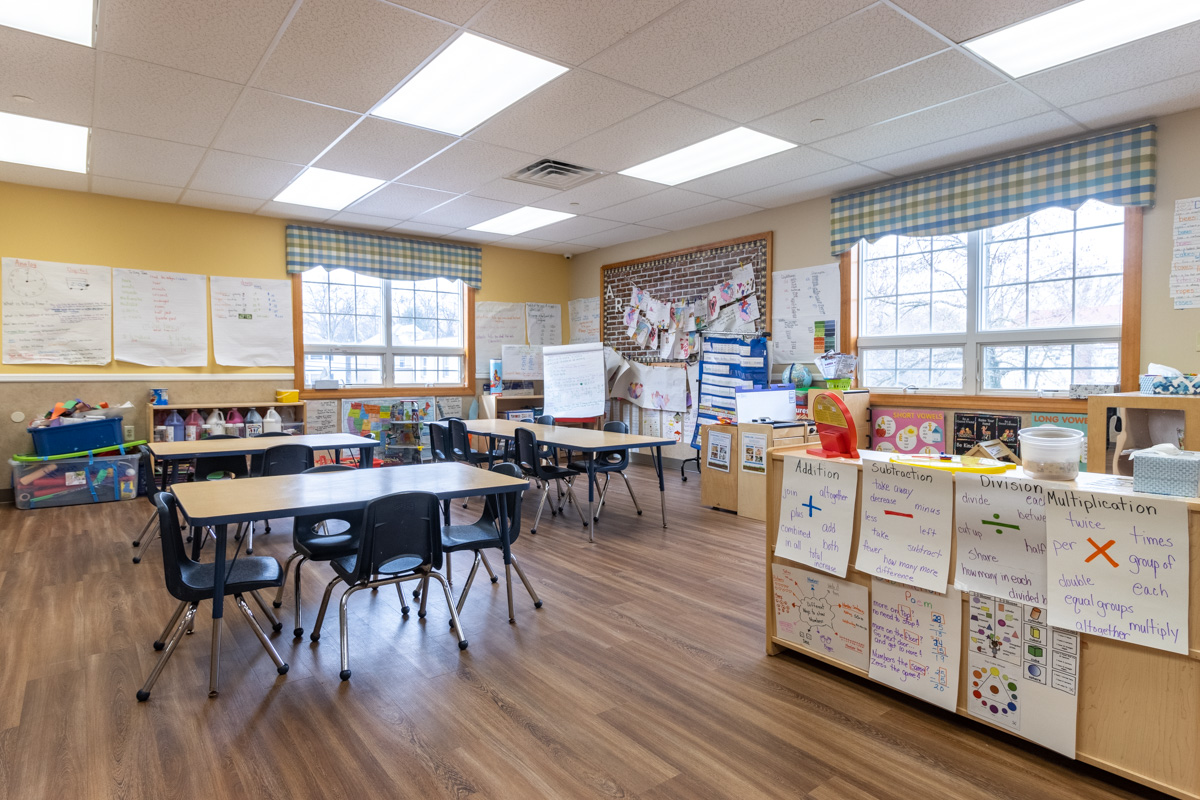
x=816, y=513
x=822, y=613
x=906, y=524
x=1000, y=523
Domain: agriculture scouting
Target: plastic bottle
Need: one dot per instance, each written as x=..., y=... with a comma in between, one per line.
x=272, y=422
x=254, y=423
x=174, y=424
x=192, y=425
x=234, y=425
x=215, y=423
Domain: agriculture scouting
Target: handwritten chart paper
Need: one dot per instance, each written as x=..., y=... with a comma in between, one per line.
x=916, y=640
x=321, y=416
x=805, y=302
x=584, y=314
x=906, y=524
x=543, y=323
x=1117, y=566
x=816, y=513
x=1001, y=527
x=522, y=362
x=55, y=313
x=160, y=320
x=823, y=614
x=574, y=380
x=252, y=322
x=496, y=324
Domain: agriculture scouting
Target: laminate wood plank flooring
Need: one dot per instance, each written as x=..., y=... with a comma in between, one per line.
x=643, y=676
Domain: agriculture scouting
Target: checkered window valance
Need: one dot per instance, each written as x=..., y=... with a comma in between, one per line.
x=382, y=256
x=1117, y=168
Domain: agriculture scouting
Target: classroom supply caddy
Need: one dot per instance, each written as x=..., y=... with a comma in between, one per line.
x=79, y=480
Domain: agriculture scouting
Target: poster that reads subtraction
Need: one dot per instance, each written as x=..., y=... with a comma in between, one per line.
x=916, y=639
x=908, y=430
x=823, y=614
x=1000, y=525
x=1117, y=566
x=906, y=524
x=816, y=513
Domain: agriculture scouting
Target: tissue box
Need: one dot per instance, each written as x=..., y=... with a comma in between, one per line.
x=1162, y=473
x=1146, y=383
x=1184, y=384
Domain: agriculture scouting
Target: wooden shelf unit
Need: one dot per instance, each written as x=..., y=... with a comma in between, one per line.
x=290, y=412
x=1134, y=409
x=492, y=406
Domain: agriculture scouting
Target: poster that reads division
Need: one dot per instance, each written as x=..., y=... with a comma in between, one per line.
x=908, y=430
x=916, y=641
x=906, y=524
x=823, y=614
x=1000, y=522
x=816, y=513
x=1117, y=566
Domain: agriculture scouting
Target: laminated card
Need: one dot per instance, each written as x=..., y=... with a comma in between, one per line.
x=916, y=638
x=1000, y=522
x=906, y=524
x=816, y=513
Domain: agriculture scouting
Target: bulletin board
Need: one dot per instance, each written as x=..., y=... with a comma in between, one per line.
x=682, y=275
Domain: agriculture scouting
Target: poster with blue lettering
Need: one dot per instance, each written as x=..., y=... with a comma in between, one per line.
x=906, y=525
x=916, y=641
x=816, y=513
x=1000, y=522
x=1117, y=566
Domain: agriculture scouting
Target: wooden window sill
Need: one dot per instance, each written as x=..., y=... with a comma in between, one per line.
x=982, y=402
x=400, y=391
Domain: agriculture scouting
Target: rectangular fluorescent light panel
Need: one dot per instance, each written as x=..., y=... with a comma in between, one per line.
x=1079, y=30
x=42, y=143
x=521, y=220
x=468, y=82
x=70, y=20
x=324, y=188
x=729, y=149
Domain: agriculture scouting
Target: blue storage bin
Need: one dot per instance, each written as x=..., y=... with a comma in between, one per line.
x=76, y=437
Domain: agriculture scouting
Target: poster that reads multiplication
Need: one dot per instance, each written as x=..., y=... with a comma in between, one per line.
x=1000, y=524
x=1117, y=566
x=906, y=524
x=916, y=640
x=816, y=513
x=823, y=614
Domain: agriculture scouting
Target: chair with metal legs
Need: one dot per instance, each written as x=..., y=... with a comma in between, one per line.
x=399, y=540
x=256, y=466
x=607, y=464
x=191, y=582
x=532, y=466
x=146, y=479
x=282, y=459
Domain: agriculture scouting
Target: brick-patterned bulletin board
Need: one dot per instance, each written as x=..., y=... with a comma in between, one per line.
x=684, y=276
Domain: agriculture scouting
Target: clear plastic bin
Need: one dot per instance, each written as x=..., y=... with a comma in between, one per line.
x=74, y=481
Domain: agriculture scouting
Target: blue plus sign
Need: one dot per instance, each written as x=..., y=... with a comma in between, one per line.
x=809, y=505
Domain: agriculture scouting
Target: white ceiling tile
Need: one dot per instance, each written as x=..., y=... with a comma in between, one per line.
x=625, y=233
x=465, y=211
x=456, y=11
x=222, y=202
x=398, y=201
x=349, y=53
x=846, y=51
x=933, y=80
x=599, y=193
x=381, y=149
x=420, y=229
x=39, y=176
x=567, y=32
x=960, y=21
x=573, y=228
x=475, y=237
x=654, y=205
x=985, y=109
x=1156, y=58
x=779, y=168
x=524, y=243
x=1155, y=100
x=467, y=166
x=59, y=76
x=163, y=103
x=244, y=176
x=562, y=248
x=525, y=194
x=702, y=215
x=572, y=106
x=820, y=185
x=135, y=189
x=362, y=221
x=273, y=126
x=699, y=40
x=293, y=211
x=656, y=131
x=984, y=144
x=138, y=158
x=219, y=38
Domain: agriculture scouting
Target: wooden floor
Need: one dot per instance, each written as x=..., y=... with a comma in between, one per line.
x=643, y=676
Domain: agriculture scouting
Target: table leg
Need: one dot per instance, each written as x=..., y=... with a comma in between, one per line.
x=502, y=522
x=218, y=610
x=591, y=521
x=337, y=455
x=366, y=457
x=662, y=495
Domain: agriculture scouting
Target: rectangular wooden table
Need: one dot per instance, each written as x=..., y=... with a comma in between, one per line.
x=220, y=503
x=583, y=440
x=201, y=448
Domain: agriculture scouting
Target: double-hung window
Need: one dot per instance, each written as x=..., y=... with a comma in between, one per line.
x=1027, y=306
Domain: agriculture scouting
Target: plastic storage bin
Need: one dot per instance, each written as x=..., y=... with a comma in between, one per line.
x=76, y=437
x=1051, y=453
x=74, y=481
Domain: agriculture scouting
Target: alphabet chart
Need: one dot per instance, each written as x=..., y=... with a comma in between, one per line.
x=906, y=524
x=816, y=512
x=1000, y=522
x=822, y=613
x=916, y=641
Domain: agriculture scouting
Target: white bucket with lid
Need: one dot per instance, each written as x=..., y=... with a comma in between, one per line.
x=1051, y=453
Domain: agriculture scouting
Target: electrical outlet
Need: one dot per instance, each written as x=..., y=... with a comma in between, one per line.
x=129, y=433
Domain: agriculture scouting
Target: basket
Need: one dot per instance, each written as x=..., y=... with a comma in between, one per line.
x=77, y=437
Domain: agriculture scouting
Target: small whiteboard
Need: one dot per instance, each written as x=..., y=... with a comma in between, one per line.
x=574, y=380
x=522, y=362
x=776, y=403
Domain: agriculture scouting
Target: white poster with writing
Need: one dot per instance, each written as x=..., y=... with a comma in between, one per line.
x=160, y=318
x=321, y=416
x=1117, y=566
x=543, y=323
x=55, y=313
x=496, y=324
x=252, y=322
x=584, y=314
x=906, y=525
x=1000, y=523
x=822, y=613
x=916, y=641
x=522, y=362
x=800, y=298
x=449, y=407
x=816, y=513
x=574, y=380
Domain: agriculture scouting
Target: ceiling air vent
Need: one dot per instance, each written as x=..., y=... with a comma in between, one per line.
x=554, y=174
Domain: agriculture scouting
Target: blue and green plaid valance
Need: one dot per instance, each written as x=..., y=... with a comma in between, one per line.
x=382, y=256
x=1117, y=168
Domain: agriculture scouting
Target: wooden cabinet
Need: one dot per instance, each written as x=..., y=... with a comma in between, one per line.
x=752, y=485
x=293, y=414
x=719, y=488
x=493, y=407
x=1135, y=410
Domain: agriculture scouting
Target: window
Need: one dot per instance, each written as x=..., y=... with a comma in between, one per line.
x=1027, y=306
x=374, y=332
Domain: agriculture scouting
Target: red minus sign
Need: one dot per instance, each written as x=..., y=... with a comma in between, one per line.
x=898, y=514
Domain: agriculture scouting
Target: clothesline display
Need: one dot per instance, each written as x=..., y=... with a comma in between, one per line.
x=727, y=363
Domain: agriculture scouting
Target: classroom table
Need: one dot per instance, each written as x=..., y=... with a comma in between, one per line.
x=174, y=452
x=583, y=440
x=220, y=503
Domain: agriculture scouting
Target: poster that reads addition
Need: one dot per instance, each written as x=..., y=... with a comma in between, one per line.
x=916, y=639
x=1117, y=566
x=823, y=614
x=1000, y=523
x=816, y=513
x=906, y=524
